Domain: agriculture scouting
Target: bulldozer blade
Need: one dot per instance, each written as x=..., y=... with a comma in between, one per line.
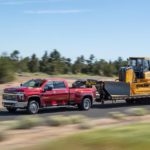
x=115, y=89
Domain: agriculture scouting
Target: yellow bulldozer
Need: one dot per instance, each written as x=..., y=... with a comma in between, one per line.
x=133, y=82
x=137, y=75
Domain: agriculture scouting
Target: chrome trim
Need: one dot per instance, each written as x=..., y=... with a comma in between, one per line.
x=14, y=104
x=20, y=94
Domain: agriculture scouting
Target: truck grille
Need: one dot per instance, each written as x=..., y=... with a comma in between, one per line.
x=10, y=97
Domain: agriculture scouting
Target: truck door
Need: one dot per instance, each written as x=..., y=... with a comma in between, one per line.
x=48, y=95
x=61, y=92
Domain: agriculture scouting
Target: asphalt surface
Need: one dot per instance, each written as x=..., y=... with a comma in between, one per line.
x=97, y=111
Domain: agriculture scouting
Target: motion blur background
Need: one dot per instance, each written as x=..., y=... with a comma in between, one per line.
x=73, y=39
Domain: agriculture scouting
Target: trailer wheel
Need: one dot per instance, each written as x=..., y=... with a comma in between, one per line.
x=33, y=107
x=85, y=104
x=11, y=110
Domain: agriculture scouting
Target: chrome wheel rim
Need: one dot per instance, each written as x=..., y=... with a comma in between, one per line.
x=86, y=104
x=33, y=108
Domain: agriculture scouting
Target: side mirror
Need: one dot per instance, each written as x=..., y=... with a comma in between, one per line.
x=49, y=88
x=21, y=84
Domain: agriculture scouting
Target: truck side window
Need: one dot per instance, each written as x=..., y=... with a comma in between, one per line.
x=49, y=84
x=59, y=85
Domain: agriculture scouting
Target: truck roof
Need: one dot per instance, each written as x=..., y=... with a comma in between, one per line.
x=51, y=79
x=55, y=79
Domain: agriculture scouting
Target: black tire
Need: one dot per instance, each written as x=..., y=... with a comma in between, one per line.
x=86, y=104
x=33, y=107
x=11, y=110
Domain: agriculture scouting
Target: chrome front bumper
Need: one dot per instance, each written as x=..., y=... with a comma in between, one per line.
x=12, y=103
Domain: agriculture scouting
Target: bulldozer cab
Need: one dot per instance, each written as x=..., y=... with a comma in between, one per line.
x=139, y=65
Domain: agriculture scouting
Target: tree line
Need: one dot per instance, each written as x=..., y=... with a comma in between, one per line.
x=54, y=63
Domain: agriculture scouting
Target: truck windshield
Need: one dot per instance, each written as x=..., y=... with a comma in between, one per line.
x=33, y=83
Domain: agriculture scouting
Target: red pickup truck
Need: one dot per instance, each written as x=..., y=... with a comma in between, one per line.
x=43, y=93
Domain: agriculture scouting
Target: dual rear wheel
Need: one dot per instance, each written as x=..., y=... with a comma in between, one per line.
x=86, y=104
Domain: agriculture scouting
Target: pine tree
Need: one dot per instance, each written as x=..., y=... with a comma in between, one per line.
x=33, y=64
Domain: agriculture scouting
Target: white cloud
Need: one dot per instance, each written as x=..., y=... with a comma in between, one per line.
x=70, y=11
x=22, y=2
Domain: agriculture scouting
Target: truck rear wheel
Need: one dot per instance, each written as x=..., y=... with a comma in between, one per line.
x=11, y=110
x=85, y=104
x=33, y=107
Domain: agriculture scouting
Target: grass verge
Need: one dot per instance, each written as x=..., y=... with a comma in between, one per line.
x=27, y=123
x=131, y=137
x=61, y=120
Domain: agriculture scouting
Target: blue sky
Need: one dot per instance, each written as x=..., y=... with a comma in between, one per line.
x=105, y=28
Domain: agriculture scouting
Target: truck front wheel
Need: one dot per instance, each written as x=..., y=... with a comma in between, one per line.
x=33, y=107
x=85, y=104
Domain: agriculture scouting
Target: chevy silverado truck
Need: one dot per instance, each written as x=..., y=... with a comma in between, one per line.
x=36, y=94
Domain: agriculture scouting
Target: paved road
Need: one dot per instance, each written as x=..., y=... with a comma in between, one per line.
x=98, y=111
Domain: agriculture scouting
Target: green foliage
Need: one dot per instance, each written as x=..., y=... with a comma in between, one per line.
x=33, y=63
x=23, y=65
x=125, y=137
x=137, y=111
x=85, y=125
x=54, y=63
x=27, y=122
x=76, y=119
x=64, y=120
x=15, y=55
x=58, y=120
x=44, y=63
x=6, y=70
x=117, y=115
x=79, y=66
x=119, y=63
